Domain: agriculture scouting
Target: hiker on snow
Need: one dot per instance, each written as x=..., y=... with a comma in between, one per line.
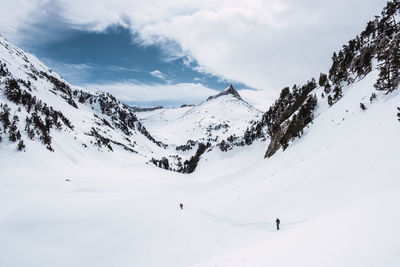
x=181, y=205
x=277, y=223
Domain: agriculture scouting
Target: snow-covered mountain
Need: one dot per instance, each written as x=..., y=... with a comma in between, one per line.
x=214, y=120
x=323, y=159
x=38, y=106
x=336, y=191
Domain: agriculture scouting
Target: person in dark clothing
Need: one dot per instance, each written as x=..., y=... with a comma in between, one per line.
x=181, y=205
x=277, y=223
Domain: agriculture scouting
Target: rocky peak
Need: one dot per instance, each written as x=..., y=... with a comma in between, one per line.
x=227, y=91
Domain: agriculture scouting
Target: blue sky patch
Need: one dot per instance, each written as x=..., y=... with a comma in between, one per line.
x=83, y=57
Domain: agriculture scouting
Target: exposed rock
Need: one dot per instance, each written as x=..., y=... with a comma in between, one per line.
x=228, y=91
x=144, y=109
x=275, y=144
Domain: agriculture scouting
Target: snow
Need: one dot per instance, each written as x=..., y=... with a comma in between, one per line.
x=201, y=122
x=71, y=143
x=336, y=191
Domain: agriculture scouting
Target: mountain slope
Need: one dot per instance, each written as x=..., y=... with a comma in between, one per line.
x=334, y=184
x=37, y=105
x=211, y=121
x=377, y=48
x=335, y=191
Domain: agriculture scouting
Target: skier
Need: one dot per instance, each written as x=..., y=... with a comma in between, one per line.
x=277, y=223
x=181, y=205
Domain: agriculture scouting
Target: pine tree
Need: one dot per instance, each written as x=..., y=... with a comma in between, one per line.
x=21, y=145
x=389, y=18
x=323, y=79
x=5, y=117
x=12, y=134
x=13, y=91
x=398, y=114
x=373, y=96
x=389, y=72
x=330, y=100
x=337, y=93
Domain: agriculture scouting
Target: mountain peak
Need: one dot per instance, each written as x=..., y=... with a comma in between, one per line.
x=229, y=88
x=227, y=91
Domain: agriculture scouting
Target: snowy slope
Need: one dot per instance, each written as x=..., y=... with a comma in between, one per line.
x=41, y=107
x=336, y=191
x=335, y=187
x=84, y=110
x=212, y=121
x=37, y=105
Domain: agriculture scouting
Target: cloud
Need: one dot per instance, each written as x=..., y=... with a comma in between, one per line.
x=260, y=99
x=159, y=75
x=123, y=69
x=265, y=44
x=15, y=13
x=130, y=91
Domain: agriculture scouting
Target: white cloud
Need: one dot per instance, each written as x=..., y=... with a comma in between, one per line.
x=123, y=69
x=159, y=75
x=182, y=93
x=15, y=13
x=266, y=44
x=260, y=99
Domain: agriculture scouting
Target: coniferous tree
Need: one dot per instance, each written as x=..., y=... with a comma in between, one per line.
x=18, y=135
x=330, y=101
x=323, y=79
x=21, y=145
x=13, y=91
x=5, y=117
x=398, y=114
x=373, y=96
x=389, y=68
x=12, y=133
x=337, y=94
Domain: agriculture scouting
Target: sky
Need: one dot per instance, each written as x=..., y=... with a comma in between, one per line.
x=178, y=51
